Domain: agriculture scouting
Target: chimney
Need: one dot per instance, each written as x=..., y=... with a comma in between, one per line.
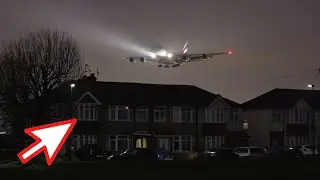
x=91, y=78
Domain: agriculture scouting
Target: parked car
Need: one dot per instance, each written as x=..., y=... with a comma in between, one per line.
x=251, y=152
x=165, y=155
x=91, y=152
x=135, y=155
x=207, y=154
x=306, y=150
x=219, y=155
x=283, y=153
x=226, y=155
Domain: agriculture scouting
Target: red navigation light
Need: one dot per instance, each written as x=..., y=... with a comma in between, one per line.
x=229, y=52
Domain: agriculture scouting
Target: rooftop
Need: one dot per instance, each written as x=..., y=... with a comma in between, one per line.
x=139, y=93
x=284, y=98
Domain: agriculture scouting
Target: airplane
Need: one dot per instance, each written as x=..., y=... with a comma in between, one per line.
x=160, y=56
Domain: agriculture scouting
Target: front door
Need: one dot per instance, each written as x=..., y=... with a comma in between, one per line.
x=141, y=143
x=164, y=143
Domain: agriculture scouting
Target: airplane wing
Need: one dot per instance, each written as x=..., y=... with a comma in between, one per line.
x=200, y=57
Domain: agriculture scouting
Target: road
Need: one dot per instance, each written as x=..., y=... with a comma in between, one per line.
x=98, y=170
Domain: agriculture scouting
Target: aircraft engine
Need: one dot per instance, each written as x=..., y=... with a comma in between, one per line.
x=142, y=59
x=204, y=56
x=131, y=59
x=184, y=57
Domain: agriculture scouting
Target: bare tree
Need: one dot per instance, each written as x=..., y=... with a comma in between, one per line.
x=33, y=66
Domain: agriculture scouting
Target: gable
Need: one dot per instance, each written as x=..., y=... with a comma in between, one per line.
x=301, y=104
x=88, y=97
x=219, y=103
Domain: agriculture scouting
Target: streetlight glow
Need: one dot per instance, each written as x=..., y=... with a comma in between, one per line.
x=72, y=85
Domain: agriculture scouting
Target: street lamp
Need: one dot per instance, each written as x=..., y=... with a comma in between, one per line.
x=71, y=116
x=313, y=125
x=71, y=87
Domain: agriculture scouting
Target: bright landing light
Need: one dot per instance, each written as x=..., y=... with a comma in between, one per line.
x=163, y=53
x=152, y=55
x=169, y=55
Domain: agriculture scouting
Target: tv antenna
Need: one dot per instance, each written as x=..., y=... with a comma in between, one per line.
x=97, y=73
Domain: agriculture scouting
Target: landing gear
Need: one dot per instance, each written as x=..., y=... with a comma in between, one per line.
x=176, y=65
x=160, y=65
x=166, y=66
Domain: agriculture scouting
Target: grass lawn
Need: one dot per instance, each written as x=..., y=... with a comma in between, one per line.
x=100, y=170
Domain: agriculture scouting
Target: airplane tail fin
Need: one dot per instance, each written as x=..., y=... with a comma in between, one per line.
x=185, y=48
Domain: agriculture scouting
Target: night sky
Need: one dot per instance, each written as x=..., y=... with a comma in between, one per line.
x=275, y=42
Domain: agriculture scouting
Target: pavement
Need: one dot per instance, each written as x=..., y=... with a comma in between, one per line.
x=38, y=163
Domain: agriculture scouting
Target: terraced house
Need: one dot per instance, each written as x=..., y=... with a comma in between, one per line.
x=179, y=118
x=284, y=117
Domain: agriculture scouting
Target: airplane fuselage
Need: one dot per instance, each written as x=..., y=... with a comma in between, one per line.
x=165, y=60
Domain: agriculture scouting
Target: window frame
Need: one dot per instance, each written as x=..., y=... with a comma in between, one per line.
x=144, y=109
x=83, y=109
x=116, y=139
x=116, y=108
x=162, y=112
x=216, y=115
x=180, y=140
x=189, y=112
x=212, y=142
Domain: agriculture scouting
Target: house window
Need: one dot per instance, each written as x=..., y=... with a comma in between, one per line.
x=120, y=113
x=120, y=142
x=297, y=140
x=300, y=116
x=235, y=115
x=213, y=142
x=85, y=139
x=160, y=114
x=183, y=143
x=187, y=114
x=87, y=112
x=216, y=116
x=176, y=114
x=296, y=116
x=142, y=114
x=276, y=117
